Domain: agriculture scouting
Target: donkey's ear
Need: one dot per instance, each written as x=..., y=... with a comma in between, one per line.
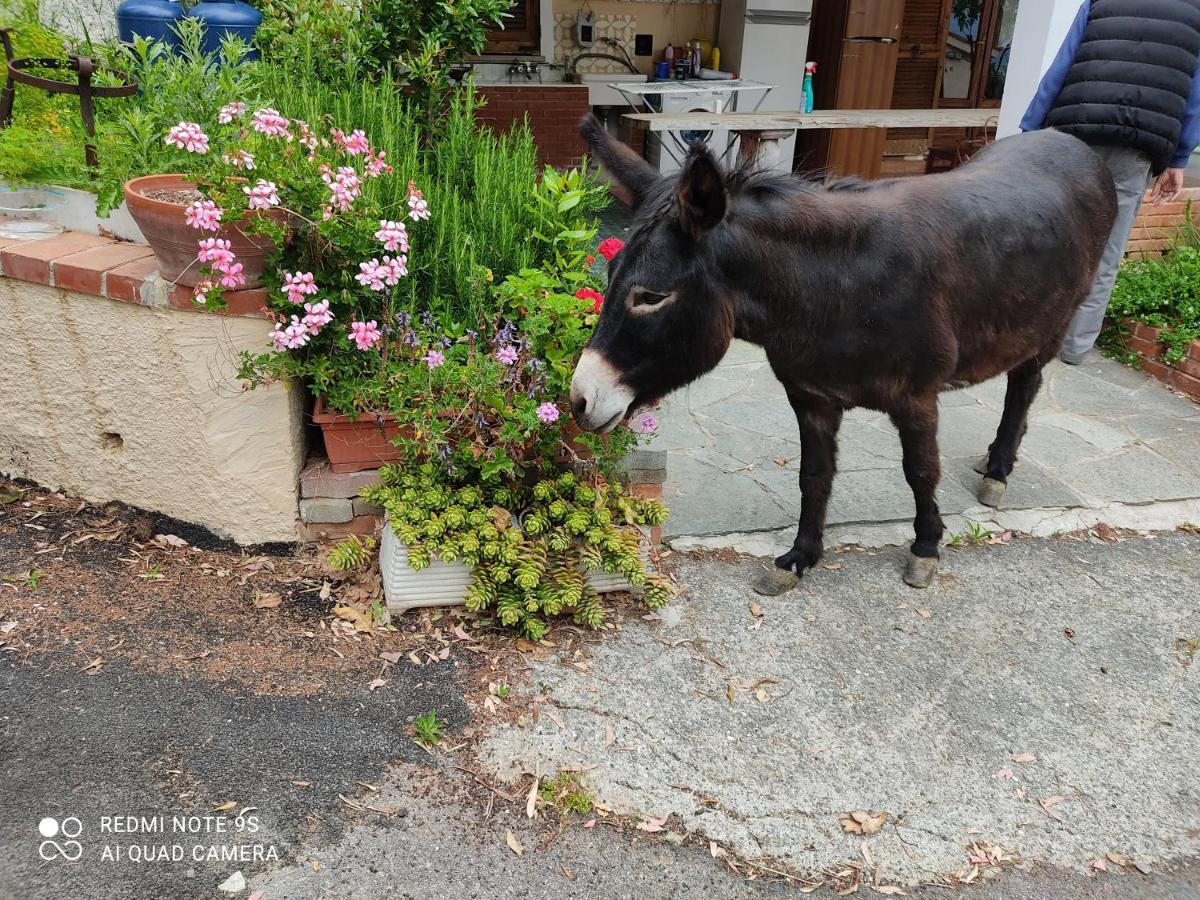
x=700, y=199
x=634, y=177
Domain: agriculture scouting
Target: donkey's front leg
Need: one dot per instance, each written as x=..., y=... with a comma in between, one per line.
x=918, y=424
x=819, y=422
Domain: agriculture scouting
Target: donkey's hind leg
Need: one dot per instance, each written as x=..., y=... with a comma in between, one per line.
x=918, y=426
x=1023, y=384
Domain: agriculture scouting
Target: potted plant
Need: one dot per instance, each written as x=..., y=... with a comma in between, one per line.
x=160, y=204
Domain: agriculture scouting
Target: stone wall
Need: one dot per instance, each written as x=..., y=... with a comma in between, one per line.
x=112, y=392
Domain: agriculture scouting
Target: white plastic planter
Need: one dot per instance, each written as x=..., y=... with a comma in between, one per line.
x=442, y=583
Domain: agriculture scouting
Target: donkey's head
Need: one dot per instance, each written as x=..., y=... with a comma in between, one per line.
x=667, y=318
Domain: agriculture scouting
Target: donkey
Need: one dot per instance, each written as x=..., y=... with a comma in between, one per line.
x=877, y=294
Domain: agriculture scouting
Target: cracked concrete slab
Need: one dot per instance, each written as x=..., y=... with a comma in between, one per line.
x=1102, y=440
x=855, y=692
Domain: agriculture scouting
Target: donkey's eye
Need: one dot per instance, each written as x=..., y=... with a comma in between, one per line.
x=643, y=297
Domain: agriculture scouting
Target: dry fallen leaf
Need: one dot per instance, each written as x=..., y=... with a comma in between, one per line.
x=714, y=850
x=93, y=668
x=889, y=889
x=652, y=824
x=266, y=601
x=1117, y=859
x=376, y=684
x=761, y=695
x=513, y=844
x=227, y=805
x=1100, y=865
x=531, y=801
x=1005, y=773
x=924, y=614
x=755, y=609
x=570, y=875
x=859, y=822
x=1048, y=804
x=1024, y=758
x=781, y=461
x=609, y=737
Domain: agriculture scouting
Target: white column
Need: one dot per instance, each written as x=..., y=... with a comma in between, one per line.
x=1039, y=32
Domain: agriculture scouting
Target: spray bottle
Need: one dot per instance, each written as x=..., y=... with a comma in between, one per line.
x=810, y=69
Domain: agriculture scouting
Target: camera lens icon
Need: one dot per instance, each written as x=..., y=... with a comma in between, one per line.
x=69, y=828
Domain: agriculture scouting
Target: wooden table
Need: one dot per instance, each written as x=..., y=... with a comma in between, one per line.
x=759, y=133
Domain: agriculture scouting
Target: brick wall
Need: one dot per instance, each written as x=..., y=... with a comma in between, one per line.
x=554, y=112
x=1155, y=227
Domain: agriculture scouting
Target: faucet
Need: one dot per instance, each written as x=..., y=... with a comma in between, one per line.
x=526, y=68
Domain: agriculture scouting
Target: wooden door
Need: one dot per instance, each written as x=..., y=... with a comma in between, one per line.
x=918, y=69
x=874, y=19
x=868, y=75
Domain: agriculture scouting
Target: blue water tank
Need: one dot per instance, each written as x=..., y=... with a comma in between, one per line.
x=154, y=19
x=222, y=17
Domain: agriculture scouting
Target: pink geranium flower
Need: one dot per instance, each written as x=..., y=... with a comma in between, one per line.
x=239, y=159
x=434, y=358
x=646, y=423
x=365, y=334
x=369, y=275
x=417, y=207
x=291, y=336
x=376, y=165
x=344, y=186
x=507, y=354
x=355, y=143
x=269, y=122
x=548, y=413
x=188, y=136
x=394, y=235
x=201, y=291
x=229, y=112
x=232, y=276
x=610, y=247
x=263, y=195
x=204, y=214
x=298, y=285
x=215, y=251
x=317, y=316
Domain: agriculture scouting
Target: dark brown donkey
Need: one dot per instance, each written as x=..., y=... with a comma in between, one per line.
x=878, y=294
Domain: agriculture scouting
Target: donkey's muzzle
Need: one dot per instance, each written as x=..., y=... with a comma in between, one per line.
x=598, y=398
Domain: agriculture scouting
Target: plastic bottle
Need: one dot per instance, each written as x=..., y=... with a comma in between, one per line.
x=715, y=61
x=669, y=56
x=696, y=59
x=810, y=69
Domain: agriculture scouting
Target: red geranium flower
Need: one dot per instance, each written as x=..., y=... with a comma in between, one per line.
x=591, y=294
x=610, y=247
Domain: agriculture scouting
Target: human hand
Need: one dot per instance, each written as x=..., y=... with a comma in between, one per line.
x=1166, y=187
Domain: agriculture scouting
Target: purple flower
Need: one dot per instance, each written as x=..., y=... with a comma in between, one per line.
x=646, y=423
x=548, y=413
x=434, y=358
x=507, y=354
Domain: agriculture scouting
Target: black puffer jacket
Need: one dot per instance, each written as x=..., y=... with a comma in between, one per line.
x=1132, y=75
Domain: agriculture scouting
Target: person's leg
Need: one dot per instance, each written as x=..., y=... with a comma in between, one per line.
x=1131, y=173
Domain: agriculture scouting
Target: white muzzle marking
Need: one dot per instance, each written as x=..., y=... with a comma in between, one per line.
x=598, y=384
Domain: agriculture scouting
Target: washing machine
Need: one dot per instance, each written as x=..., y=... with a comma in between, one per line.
x=685, y=97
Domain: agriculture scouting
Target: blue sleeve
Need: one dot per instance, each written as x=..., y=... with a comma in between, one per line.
x=1189, y=132
x=1056, y=75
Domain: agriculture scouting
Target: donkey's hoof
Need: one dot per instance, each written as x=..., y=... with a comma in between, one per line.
x=920, y=571
x=991, y=492
x=775, y=581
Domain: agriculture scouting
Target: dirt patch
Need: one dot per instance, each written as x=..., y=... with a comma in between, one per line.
x=183, y=197
x=83, y=587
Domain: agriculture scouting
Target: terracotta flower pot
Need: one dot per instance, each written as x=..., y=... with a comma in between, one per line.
x=174, y=242
x=355, y=445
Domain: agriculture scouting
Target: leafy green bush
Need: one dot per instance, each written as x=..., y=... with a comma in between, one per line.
x=530, y=547
x=1164, y=292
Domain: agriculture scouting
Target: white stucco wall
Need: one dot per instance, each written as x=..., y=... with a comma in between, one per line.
x=76, y=370
x=1039, y=32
